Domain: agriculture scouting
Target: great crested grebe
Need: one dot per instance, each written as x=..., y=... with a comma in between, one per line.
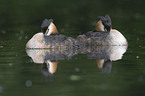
x=103, y=34
x=49, y=38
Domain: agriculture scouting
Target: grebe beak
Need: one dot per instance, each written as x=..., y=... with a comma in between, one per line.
x=99, y=26
x=48, y=27
x=51, y=29
x=52, y=66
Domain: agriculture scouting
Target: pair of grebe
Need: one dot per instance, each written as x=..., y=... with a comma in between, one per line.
x=102, y=35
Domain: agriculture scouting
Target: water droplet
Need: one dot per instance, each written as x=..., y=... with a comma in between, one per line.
x=140, y=78
x=26, y=37
x=21, y=32
x=137, y=16
x=75, y=77
x=20, y=38
x=103, y=86
x=77, y=69
x=28, y=83
x=1, y=89
x=3, y=32
x=10, y=64
x=137, y=57
x=17, y=34
x=1, y=46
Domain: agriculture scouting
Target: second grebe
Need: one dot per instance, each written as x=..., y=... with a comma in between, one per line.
x=103, y=34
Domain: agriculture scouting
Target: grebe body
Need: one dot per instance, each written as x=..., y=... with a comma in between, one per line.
x=103, y=34
x=49, y=38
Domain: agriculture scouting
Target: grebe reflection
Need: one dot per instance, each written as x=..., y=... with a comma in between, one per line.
x=48, y=69
x=103, y=55
x=49, y=58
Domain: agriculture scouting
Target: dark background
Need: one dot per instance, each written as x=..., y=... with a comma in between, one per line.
x=70, y=16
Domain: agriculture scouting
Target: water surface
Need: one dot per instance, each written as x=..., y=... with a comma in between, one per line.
x=76, y=75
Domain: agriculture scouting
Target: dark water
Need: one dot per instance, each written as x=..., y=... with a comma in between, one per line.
x=76, y=75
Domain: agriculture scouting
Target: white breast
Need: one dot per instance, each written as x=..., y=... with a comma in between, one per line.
x=37, y=41
x=117, y=38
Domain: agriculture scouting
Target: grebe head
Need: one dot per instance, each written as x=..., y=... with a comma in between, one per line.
x=48, y=27
x=106, y=22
